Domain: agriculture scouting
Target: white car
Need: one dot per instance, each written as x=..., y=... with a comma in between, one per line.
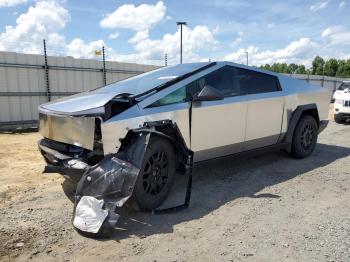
x=342, y=103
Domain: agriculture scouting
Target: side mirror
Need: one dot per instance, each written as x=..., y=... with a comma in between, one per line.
x=208, y=93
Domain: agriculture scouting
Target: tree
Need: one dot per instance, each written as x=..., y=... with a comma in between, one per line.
x=301, y=70
x=279, y=68
x=292, y=68
x=343, y=68
x=317, y=66
x=266, y=67
x=331, y=67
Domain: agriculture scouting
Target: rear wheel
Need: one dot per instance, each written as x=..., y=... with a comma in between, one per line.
x=305, y=137
x=338, y=119
x=156, y=175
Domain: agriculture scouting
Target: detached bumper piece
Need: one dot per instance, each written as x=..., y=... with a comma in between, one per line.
x=89, y=214
x=106, y=186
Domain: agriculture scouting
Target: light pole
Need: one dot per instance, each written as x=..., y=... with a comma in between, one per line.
x=181, y=24
x=246, y=52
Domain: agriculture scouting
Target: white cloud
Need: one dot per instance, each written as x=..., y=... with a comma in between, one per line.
x=138, y=18
x=328, y=31
x=300, y=51
x=319, y=6
x=77, y=48
x=113, y=35
x=152, y=51
x=342, y=4
x=194, y=40
x=8, y=3
x=139, y=36
x=42, y=21
x=336, y=35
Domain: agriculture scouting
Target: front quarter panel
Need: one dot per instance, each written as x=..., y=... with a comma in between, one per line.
x=117, y=127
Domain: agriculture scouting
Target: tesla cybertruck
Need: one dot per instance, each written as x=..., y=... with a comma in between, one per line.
x=129, y=138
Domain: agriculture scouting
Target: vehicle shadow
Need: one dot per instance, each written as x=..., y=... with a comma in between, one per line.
x=219, y=181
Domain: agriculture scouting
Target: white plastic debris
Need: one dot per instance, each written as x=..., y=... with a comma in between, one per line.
x=89, y=215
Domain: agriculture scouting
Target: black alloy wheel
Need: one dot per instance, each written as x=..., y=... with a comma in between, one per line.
x=304, y=137
x=156, y=175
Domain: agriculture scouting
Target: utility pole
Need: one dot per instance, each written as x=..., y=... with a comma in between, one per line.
x=104, y=66
x=181, y=24
x=46, y=68
x=246, y=52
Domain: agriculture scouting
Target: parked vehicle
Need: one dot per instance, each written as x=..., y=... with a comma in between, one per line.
x=342, y=103
x=152, y=125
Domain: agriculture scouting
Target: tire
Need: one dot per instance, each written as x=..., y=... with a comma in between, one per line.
x=338, y=119
x=304, y=137
x=156, y=175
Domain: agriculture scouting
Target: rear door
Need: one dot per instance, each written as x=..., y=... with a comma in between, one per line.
x=265, y=105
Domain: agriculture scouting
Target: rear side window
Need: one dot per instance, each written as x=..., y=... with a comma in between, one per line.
x=233, y=81
x=252, y=82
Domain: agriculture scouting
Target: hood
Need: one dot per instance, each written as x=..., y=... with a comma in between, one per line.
x=78, y=104
x=341, y=94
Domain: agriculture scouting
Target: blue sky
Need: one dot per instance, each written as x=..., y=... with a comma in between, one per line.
x=143, y=31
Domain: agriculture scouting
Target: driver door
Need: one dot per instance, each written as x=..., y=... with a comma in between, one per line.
x=217, y=128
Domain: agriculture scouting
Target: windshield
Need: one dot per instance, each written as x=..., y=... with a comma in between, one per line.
x=344, y=86
x=146, y=81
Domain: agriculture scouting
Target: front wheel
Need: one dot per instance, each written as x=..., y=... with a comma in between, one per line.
x=305, y=137
x=156, y=175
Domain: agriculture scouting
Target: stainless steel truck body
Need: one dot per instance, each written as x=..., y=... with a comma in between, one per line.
x=191, y=112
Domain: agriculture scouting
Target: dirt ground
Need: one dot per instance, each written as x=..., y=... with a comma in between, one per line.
x=265, y=208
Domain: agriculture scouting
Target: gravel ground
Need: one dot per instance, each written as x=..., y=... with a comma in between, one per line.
x=265, y=208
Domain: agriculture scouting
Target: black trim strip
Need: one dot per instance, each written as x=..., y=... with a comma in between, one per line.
x=22, y=122
x=251, y=152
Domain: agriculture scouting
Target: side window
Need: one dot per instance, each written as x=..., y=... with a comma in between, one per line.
x=225, y=79
x=252, y=82
x=229, y=80
x=178, y=96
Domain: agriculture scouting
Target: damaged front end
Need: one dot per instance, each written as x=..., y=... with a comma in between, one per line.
x=72, y=142
x=106, y=182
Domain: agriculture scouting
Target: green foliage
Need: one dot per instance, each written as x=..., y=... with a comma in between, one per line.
x=301, y=70
x=330, y=67
x=343, y=68
x=317, y=66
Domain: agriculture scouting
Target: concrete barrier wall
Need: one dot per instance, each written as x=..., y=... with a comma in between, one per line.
x=24, y=84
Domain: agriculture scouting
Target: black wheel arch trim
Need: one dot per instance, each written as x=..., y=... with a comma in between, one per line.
x=297, y=114
x=161, y=129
